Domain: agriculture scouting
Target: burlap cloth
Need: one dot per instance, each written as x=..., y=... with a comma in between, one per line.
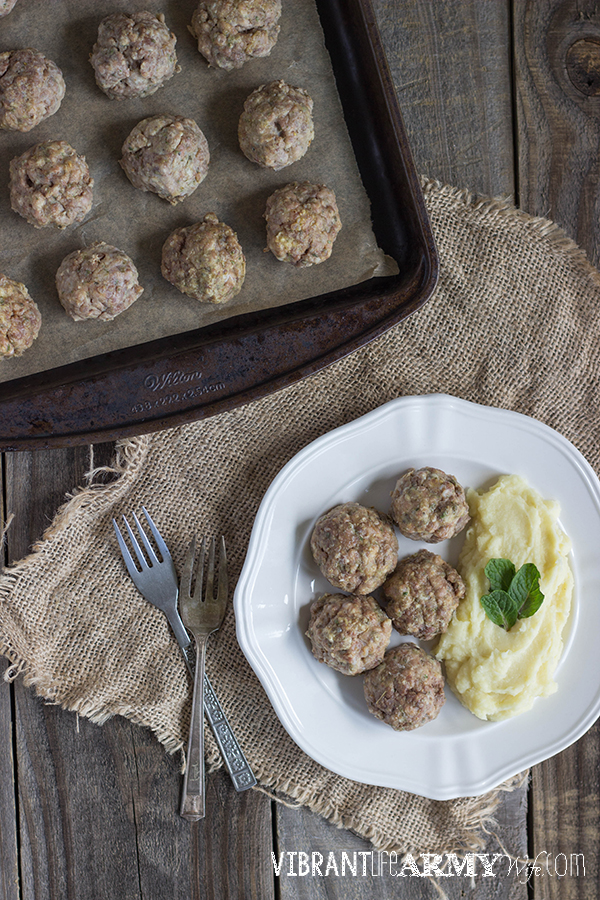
x=513, y=323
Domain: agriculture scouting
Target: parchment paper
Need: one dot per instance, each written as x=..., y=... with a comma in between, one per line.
x=139, y=222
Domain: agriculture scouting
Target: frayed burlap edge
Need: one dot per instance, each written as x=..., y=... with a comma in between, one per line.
x=477, y=816
x=129, y=456
x=503, y=207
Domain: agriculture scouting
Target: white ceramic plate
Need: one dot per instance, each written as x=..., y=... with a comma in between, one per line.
x=325, y=712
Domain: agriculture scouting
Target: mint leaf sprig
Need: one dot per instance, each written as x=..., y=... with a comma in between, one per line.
x=513, y=595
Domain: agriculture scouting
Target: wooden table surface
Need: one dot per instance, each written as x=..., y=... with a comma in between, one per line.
x=501, y=97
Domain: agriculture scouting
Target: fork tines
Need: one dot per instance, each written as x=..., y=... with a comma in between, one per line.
x=191, y=565
x=151, y=555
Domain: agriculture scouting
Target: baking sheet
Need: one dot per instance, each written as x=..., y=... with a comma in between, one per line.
x=139, y=222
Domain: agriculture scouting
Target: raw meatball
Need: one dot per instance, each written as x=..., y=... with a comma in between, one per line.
x=428, y=505
x=50, y=184
x=302, y=223
x=134, y=54
x=167, y=155
x=98, y=282
x=354, y=547
x=230, y=32
x=276, y=126
x=31, y=89
x=20, y=318
x=350, y=634
x=422, y=594
x=205, y=260
x=407, y=689
x=6, y=6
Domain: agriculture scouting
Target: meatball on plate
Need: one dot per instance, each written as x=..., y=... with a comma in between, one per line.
x=422, y=593
x=348, y=633
x=429, y=505
x=354, y=547
x=407, y=689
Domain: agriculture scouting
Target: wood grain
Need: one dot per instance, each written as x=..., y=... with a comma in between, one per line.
x=9, y=866
x=558, y=124
x=301, y=831
x=451, y=68
x=565, y=805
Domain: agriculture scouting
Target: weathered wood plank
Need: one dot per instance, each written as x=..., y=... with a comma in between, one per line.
x=451, y=68
x=311, y=852
x=558, y=115
x=565, y=818
x=9, y=863
x=99, y=805
x=558, y=121
x=9, y=866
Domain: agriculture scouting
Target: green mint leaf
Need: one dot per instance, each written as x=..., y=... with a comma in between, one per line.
x=500, y=607
x=500, y=573
x=525, y=591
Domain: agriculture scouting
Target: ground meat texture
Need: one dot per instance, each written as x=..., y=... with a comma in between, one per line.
x=302, y=223
x=31, y=89
x=422, y=593
x=407, y=689
x=355, y=547
x=98, y=282
x=50, y=184
x=230, y=32
x=6, y=6
x=20, y=318
x=167, y=155
x=348, y=633
x=276, y=127
x=428, y=505
x=205, y=261
x=134, y=55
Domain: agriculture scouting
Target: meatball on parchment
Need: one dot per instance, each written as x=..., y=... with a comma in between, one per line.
x=134, y=55
x=31, y=89
x=303, y=222
x=20, y=318
x=50, y=184
x=98, y=282
x=230, y=32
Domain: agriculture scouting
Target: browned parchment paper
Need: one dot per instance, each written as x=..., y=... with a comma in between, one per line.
x=139, y=222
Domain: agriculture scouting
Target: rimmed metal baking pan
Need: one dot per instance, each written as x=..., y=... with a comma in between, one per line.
x=178, y=379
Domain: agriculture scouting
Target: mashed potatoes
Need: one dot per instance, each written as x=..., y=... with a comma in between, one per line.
x=498, y=674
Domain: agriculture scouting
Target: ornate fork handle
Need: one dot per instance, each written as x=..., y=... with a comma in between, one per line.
x=237, y=765
x=193, y=800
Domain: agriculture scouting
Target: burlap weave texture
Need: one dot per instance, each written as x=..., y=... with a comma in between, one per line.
x=512, y=324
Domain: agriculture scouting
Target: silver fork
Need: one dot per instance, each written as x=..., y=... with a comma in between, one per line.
x=203, y=616
x=157, y=581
